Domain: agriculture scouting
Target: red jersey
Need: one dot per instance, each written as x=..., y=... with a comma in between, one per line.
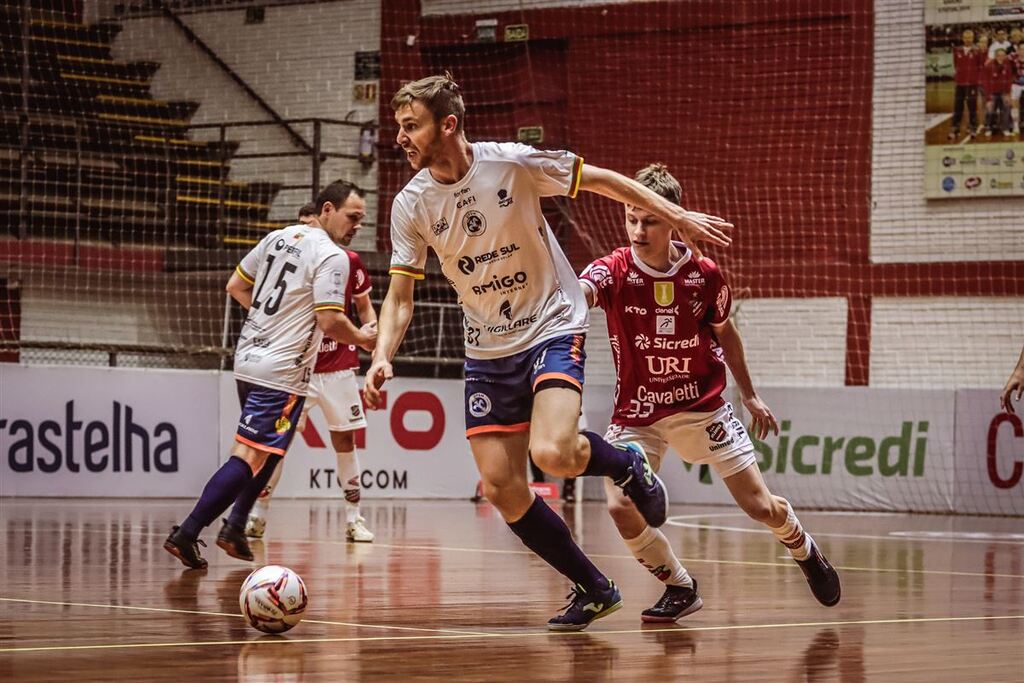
x=667, y=359
x=967, y=64
x=999, y=77
x=332, y=355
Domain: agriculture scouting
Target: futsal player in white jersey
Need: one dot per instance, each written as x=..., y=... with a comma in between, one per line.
x=293, y=285
x=334, y=389
x=478, y=206
x=671, y=339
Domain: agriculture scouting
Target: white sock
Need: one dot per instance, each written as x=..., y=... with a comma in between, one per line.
x=791, y=534
x=348, y=475
x=262, y=504
x=654, y=552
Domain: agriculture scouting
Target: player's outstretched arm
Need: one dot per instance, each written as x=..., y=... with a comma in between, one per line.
x=762, y=418
x=336, y=325
x=693, y=226
x=1015, y=383
x=588, y=292
x=240, y=290
x=395, y=316
x=367, y=314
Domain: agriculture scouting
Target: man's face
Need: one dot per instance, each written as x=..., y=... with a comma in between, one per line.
x=307, y=219
x=646, y=232
x=1000, y=56
x=342, y=223
x=1001, y=35
x=419, y=135
x=1016, y=36
x=968, y=38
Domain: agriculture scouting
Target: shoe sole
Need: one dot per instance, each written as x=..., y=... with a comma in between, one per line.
x=230, y=550
x=173, y=550
x=358, y=540
x=253, y=534
x=580, y=627
x=652, y=619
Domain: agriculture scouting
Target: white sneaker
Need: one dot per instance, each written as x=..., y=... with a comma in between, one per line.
x=255, y=526
x=358, y=533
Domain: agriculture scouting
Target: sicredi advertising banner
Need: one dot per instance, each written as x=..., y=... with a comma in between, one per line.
x=852, y=448
x=112, y=432
x=989, y=456
x=415, y=447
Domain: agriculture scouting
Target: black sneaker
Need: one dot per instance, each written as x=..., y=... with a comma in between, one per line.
x=644, y=487
x=675, y=603
x=232, y=540
x=185, y=549
x=585, y=607
x=822, y=578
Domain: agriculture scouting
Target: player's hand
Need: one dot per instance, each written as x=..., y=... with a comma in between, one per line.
x=762, y=421
x=369, y=333
x=1015, y=383
x=695, y=227
x=380, y=371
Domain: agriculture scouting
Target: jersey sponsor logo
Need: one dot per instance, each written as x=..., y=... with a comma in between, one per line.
x=479, y=405
x=506, y=309
x=504, y=198
x=504, y=284
x=599, y=274
x=665, y=325
x=664, y=293
x=472, y=335
x=260, y=342
x=474, y=224
x=634, y=278
x=636, y=310
x=467, y=264
x=658, y=366
x=288, y=248
x=439, y=226
x=513, y=323
x=466, y=201
x=643, y=342
x=722, y=300
x=680, y=394
x=694, y=279
x=360, y=278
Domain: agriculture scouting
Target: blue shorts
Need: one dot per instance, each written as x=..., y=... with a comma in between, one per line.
x=499, y=392
x=268, y=417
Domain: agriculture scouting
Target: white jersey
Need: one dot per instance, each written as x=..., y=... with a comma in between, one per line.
x=295, y=272
x=515, y=285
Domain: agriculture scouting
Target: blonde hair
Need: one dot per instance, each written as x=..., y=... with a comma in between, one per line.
x=657, y=178
x=439, y=94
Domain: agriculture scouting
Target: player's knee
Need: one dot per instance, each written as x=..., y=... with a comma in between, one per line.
x=761, y=509
x=501, y=493
x=554, y=457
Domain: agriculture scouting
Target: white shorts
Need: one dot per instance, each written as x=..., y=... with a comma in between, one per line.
x=717, y=439
x=337, y=394
x=1015, y=91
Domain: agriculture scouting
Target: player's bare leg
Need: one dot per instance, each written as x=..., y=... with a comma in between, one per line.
x=652, y=549
x=561, y=450
x=348, y=475
x=501, y=460
x=256, y=520
x=750, y=492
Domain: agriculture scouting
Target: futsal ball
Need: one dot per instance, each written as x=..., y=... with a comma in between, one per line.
x=273, y=599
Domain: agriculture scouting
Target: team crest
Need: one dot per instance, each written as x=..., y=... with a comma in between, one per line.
x=474, y=223
x=479, y=405
x=716, y=432
x=664, y=293
x=282, y=425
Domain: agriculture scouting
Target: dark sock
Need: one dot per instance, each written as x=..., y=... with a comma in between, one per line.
x=247, y=498
x=544, y=532
x=605, y=460
x=223, y=487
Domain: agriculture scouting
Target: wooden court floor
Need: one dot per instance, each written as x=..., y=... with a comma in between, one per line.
x=448, y=593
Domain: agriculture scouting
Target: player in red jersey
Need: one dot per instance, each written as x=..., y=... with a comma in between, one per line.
x=671, y=339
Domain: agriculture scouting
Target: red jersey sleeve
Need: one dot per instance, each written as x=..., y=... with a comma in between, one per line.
x=718, y=294
x=600, y=276
x=360, y=275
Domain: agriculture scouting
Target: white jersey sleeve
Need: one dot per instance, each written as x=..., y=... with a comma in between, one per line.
x=250, y=263
x=554, y=173
x=329, y=281
x=408, y=248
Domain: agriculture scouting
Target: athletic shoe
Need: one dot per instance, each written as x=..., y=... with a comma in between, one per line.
x=255, y=526
x=644, y=487
x=185, y=549
x=232, y=540
x=952, y=134
x=358, y=533
x=675, y=603
x=584, y=608
x=822, y=578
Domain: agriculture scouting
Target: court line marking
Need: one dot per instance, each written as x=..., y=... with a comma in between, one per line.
x=239, y=616
x=527, y=634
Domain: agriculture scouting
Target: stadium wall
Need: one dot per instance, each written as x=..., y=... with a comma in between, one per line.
x=105, y=432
